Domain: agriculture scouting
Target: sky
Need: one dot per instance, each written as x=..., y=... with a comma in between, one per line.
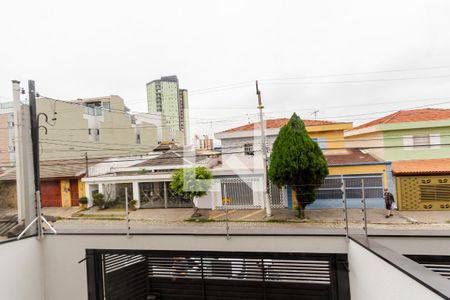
x=348, y=60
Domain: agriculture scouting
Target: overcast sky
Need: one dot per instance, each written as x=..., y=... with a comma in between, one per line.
x=76, y=49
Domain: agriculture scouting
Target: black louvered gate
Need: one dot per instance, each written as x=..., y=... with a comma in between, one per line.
x=133, y=274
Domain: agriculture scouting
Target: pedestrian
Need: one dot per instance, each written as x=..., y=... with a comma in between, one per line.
x=389, y=202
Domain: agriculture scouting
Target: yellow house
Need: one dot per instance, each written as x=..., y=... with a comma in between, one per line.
x=241, y=148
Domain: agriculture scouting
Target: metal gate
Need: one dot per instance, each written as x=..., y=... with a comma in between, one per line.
x=278, y=196
x=147, y=274
x=329, y=195
x=159, y=195
x=240, y=193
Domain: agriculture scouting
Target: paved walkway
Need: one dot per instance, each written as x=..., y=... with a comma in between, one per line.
x=61, y=212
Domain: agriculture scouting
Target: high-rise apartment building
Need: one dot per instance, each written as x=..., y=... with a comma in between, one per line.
x=165, y=96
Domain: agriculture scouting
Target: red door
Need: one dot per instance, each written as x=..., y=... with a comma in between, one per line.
x=74, y=191
x=51, y=193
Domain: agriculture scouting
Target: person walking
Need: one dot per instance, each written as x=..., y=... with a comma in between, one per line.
x=389, y=202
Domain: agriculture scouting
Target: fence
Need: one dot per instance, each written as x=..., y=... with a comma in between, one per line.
x=248, y=192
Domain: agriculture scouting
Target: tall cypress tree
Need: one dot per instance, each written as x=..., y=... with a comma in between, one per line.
x=297, y=161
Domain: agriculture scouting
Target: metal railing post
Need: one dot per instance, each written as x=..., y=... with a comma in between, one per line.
x=127, y=213
x=226, y=211
x=363, y=200
x=344, y=200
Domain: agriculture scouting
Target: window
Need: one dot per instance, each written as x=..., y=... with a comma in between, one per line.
x=422, y=141
x=94, y=134
x=138, y=138
x=248, y=149
x=10, y=124
x=107, y=105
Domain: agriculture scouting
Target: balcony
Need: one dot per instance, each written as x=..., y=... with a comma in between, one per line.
x=93, y=111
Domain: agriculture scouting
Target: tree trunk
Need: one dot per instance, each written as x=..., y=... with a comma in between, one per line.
x=300, y=204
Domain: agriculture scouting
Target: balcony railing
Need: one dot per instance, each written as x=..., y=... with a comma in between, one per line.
x=93, y=111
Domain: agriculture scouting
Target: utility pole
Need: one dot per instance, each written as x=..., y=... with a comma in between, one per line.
x=23, y=158
x=34, y=118
x=264, y=153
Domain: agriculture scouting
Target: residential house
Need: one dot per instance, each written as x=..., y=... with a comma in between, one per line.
x=60, y=183
x=422, y=184
x=98, y=127
x=146, y=178
x=403, y=135
x=241, y=160
x=417, y=142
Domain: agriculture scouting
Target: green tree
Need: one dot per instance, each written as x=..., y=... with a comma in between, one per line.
x=297, y=161
x=191, y=182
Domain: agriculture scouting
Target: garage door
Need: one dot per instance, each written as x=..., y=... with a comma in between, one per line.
x=199, y=275
x=329, y=195
x=51, y=193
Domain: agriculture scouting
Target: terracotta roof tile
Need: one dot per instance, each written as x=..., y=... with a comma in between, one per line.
x=349, y=156
x=68, y=168
x=277, y=123
x=415, y=115
x=421, y=167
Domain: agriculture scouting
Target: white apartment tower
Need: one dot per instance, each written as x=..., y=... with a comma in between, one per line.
x=164, y=96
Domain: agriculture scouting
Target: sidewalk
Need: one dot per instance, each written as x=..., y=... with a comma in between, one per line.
x=313, y=216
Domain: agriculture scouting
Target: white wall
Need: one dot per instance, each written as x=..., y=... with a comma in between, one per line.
x=66, y=279
x=371, y=278
x=20, y=275
x=416, y=245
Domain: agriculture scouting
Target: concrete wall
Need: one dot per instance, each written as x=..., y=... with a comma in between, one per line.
x=21, y=271
x=62, y=253
x=371, y=278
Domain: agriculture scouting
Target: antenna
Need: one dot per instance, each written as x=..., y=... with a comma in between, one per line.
x=315, y=114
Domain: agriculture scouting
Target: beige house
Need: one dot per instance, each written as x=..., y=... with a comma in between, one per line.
x=100, y=127
x=6, y=133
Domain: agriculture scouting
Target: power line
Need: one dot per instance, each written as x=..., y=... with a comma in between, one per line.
x=358, y=73
x=356, y=81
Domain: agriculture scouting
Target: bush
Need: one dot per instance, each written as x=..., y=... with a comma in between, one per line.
x=112, y=203
x=132, y=204
x=99, y=200
x=83, y=200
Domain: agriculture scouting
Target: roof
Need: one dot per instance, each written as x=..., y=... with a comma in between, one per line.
x=421, y=167
x=277, y=123
x=170, y=158
x=69, y=168
x=405, y=116
x=349, y=156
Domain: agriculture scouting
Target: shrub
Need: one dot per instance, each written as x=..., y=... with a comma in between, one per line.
x=132, y=204
x=99, y=200
x=83, y=200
